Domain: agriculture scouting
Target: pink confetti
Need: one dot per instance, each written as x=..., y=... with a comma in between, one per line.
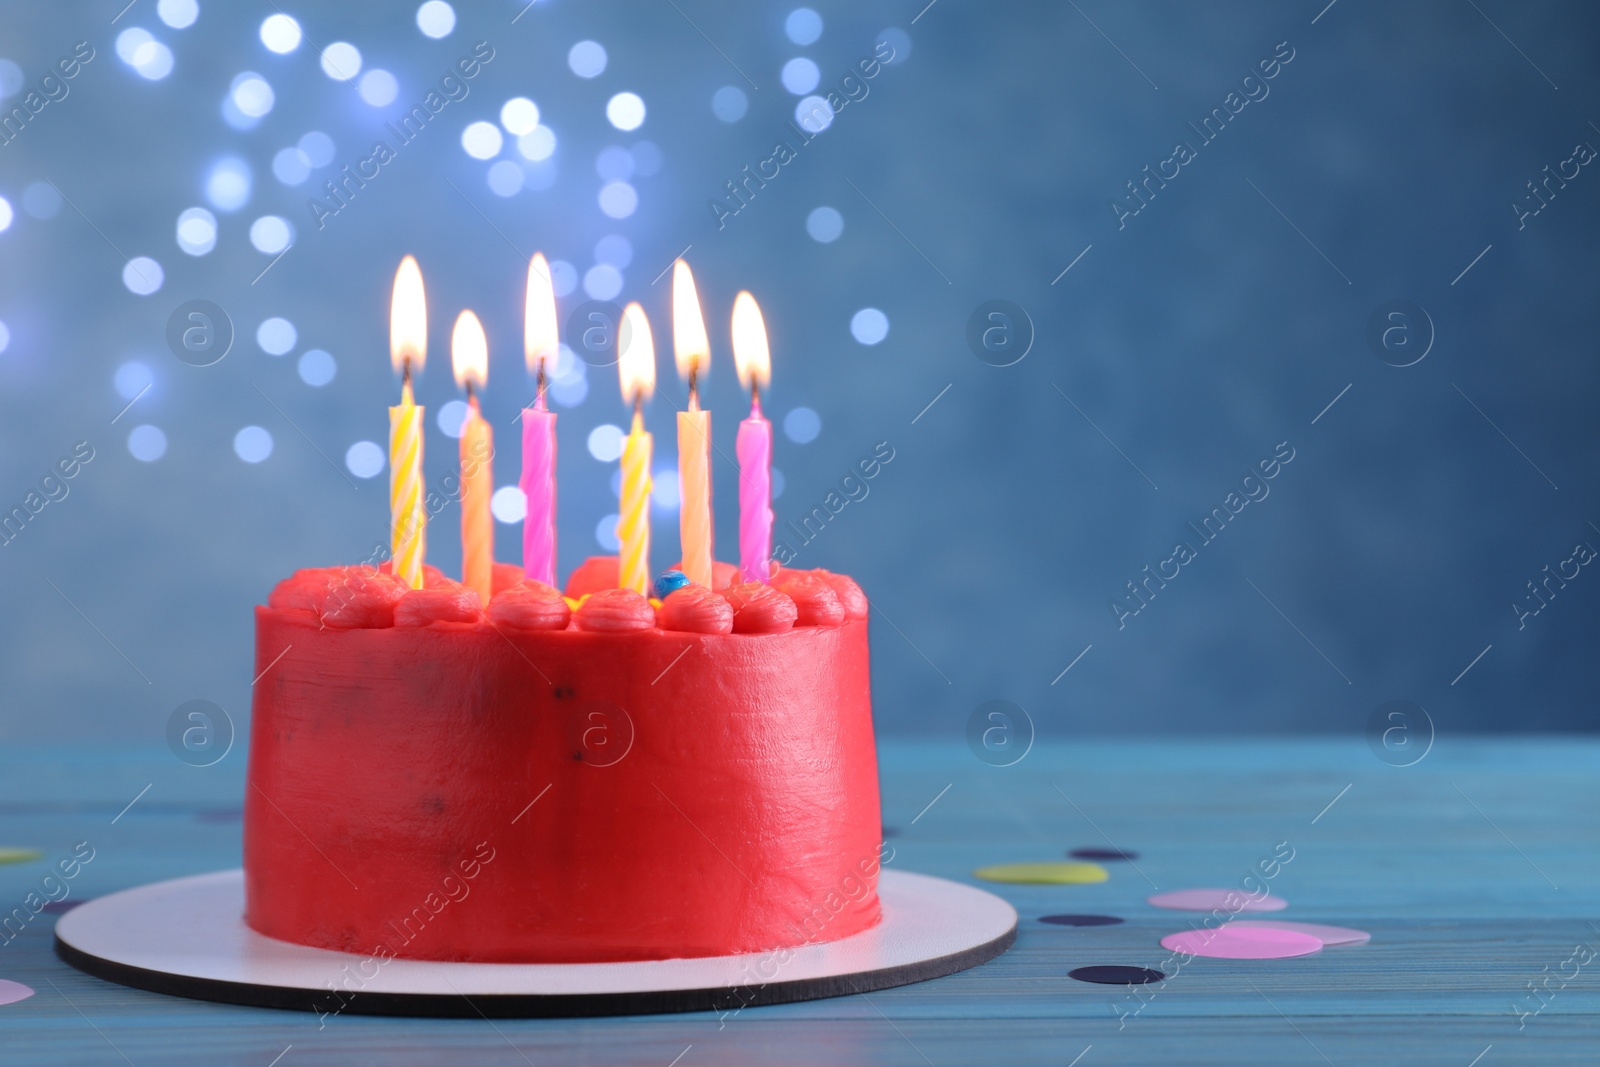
x=11, y=992
x=1216, y=900
x=1329, y=935
x=1232, y=942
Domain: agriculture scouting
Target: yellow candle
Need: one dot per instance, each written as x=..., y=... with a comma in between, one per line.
x=636, y=366
x=692, y=352
x=408, y=349
x=469, y=357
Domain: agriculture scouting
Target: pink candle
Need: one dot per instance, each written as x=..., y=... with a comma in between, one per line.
x=541, y=346
x=753, y=361
x=539, y=486
x=755, y=495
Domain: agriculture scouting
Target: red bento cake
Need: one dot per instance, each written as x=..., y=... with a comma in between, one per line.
x=589, y=778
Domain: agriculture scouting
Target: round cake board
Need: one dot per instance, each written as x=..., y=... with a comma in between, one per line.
x=186, y=937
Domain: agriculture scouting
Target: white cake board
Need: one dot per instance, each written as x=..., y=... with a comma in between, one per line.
x=186, y=937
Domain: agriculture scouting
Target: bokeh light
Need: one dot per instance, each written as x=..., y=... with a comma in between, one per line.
x=618, y=199
x=563, y=277
x=271, y=234
x=899, y=40
x=452, y=417
x=252, y=444
x=6, y=214
x=506, y=178
x=587, y=59
x=869, y=326
x=197, y=231
x=802, y=425
x=364, y=459
x=605, y=533
x=251, y=95
x=537, y=144
x=228, y=184
x=318, y=148
x=178, y=14
x=291, y=166
x=277, y=336
x=5, y=337
x=509, y=504
x=824, y=224
x=146, y=55
x=147, y=443
x=280, y=33
x=614, y=164
x=132, y=379
x=317, y=367
x=605, y=442
x=614, y=249
x=482, y=140
x=10, y=78
x=378, y=87
x=665, y=490
x=602, y=282
x=813, y=114
x=803, y=26
x=519, y=115
x=142, y=275
x=800, y=75
x=341, y=61
x=625, y=111
x=729, y=103
x=436, y=18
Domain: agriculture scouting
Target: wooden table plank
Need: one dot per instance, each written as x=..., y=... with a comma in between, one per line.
x=1474, y=870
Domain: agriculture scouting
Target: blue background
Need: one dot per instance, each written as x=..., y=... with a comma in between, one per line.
x=1178, y=351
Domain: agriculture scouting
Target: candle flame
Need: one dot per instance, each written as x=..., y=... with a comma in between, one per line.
x=469, y=352
x=751, y=357
x=541, y=337
x=690, y=347
x=636, y=356
x=408, y=319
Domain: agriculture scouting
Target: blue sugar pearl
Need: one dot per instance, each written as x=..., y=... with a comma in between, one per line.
x=669, y=581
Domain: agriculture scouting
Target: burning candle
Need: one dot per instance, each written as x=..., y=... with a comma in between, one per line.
x=692, y=351
x=636, y=366
x=540, y=345
x=408, y=349
x=753, y=361
x=469, y=358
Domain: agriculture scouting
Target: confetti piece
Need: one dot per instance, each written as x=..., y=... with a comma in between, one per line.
x=1102, y=854
x=1043, y=873
x=11, y=992
x=1115, y=974
x=1215, y=900
x=1329, y=935
x=18, y=855
x=1080, y=920
x=1231, y=942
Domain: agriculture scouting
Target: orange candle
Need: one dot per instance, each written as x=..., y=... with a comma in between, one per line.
x=692, y=351
x=469, y=357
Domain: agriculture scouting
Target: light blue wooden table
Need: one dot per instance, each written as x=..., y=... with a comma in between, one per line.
x=1477, y=871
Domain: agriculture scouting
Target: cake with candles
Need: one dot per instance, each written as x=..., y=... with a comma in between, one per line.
x=636, y=764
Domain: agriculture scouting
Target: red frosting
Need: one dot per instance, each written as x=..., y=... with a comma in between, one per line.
x=614, y=611
x=593, y=574
x=815, y=602
x=506, y=576
x=760, y=609
x=446, y=601
x=697, y=610
x=463, y=792
x=850, y=595
x=530, y=606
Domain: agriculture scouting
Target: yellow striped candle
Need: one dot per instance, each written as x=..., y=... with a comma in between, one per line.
x=408, y=349
x=636, y=366
x=692, y=351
